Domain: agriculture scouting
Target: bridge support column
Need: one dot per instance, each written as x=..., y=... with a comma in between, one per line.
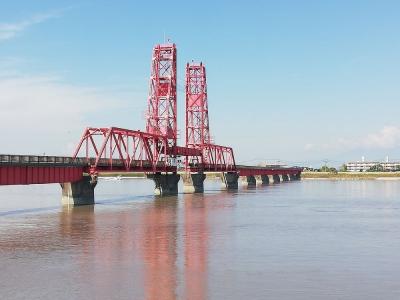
x=231, y=180
x=80, y=192
x=295, y=176
x=271, y=179
x=251, y=180
x=193, y=183
x=165, y=184
x=277, y=178
x=265, y=179
x=285, y=177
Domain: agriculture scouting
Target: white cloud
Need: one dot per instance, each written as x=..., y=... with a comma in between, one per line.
x=11, y=30
x=44, y=114
x=387, y=138
x=309, y=146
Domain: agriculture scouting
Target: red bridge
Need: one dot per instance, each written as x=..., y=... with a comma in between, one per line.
x=154, y=151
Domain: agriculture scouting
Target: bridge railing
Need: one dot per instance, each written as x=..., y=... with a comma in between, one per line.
x=134, y=165
x=104, y=164
x=40, y=159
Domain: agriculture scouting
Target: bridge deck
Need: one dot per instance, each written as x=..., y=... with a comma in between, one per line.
x=269, y=170
x=37, y=169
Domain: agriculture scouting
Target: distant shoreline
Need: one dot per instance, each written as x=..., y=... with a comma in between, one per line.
x=351, y=176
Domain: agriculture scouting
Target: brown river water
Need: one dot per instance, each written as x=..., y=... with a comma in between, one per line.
x=295, y=240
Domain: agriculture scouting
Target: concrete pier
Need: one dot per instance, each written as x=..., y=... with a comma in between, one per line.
x=258, y=179
x=230, y=180
x=265, y=179
x=277, y=178
x=165, y=184
x=193, y=182
x=271, y=179
x=285, y=177
x=251, y=181
x=79, y=192
x=294, y=177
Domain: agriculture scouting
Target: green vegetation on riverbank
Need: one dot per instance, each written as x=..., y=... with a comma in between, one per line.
x=349, y=175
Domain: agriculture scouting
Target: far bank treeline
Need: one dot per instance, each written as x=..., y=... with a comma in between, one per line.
x=376, y=171
x=343, y=168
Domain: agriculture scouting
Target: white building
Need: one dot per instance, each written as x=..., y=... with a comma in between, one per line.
x=362, y=166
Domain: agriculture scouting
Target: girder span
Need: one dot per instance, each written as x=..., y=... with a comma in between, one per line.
x=123, y=149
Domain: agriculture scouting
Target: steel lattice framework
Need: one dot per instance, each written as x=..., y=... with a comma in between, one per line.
x=214, y=157
x=162, y=102
x=197, y=122
x=113, y=148
x=218, y=158
x=123, y=149
x=155, y=150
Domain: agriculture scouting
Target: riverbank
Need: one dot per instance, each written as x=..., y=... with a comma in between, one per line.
x=352, y=175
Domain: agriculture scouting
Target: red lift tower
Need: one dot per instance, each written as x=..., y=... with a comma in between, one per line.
x=197, y=123
x=162, y=103
x=214, y=157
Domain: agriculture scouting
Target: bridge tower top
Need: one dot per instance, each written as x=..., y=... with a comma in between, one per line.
x=162, y=101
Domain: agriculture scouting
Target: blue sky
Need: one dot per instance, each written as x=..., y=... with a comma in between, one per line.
x=295, y=81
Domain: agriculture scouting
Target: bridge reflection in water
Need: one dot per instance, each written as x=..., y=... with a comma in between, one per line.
x=152, y=250
x=167, y=252
x=158, y=244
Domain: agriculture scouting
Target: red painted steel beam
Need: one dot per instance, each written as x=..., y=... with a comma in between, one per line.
x=122, y=169
x=248, y=171
x=184, y=151
x=23, y=175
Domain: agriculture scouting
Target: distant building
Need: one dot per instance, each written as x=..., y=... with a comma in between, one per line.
x=363, y=166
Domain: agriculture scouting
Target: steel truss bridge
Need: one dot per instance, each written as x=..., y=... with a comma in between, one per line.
x=154, y=150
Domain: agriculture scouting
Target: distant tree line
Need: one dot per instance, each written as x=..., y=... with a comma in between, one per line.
x=322, y=169
x=380, y=168
x=328, y=169
x=343, y=168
